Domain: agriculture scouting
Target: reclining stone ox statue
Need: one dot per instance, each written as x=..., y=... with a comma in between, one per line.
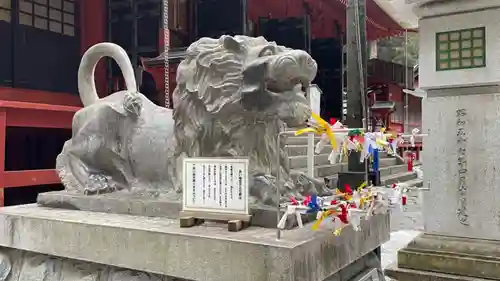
x=233, y=96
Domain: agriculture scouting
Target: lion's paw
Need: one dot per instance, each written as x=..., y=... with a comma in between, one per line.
x=98, y=184
x=132, y=103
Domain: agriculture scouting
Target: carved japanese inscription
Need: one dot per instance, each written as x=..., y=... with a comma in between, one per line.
x=462, y=214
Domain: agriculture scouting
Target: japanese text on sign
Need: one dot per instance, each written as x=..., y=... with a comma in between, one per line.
x=215, y=185
x=462, y=214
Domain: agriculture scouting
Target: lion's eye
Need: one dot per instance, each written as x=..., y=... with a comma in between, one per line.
x=266, y=52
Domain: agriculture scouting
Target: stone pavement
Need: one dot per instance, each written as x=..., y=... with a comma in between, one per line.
x=405, y=225
x=411, y=217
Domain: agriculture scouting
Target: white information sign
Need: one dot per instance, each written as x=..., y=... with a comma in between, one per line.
x=218, y=185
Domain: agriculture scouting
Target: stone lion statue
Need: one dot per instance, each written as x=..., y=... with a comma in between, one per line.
x=233, y=96
x=120, y=142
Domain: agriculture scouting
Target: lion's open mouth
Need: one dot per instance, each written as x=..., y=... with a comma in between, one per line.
x=296, y=86
x=292, y=96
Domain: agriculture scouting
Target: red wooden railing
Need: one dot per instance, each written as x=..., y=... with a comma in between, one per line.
x=30, y=115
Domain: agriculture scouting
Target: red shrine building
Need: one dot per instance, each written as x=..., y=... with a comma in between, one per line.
x=42, y=42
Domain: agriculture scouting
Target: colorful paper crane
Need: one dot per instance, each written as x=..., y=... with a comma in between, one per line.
x=321, y=127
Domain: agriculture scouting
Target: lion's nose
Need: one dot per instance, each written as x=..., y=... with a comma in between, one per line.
x=310, y=63
x=306, y=64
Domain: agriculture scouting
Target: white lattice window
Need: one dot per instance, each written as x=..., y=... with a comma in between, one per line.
x=54, y=15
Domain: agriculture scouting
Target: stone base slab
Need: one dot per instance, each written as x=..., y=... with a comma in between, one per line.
x=127, y=204
x=17, y=265
x=28, y=266
x=202, y=253
x=460, y=257
x=403, y=274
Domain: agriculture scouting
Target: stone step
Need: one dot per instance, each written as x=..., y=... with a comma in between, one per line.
x=322, y=171
x=391, y=170
x=407, y=177
x=297, y=162
x=297, y=150
x=301, y=149
x=300, y=140
x=415, y=183
x=399, y=177
x=386, y=162
x=300, y=161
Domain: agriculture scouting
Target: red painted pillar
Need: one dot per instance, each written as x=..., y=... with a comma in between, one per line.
x=3, y=137
x=93, y=23
x=161, y=41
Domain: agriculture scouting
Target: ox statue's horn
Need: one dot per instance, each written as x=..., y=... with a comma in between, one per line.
x=86, y=83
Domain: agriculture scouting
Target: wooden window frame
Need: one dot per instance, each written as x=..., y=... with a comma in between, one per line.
x=446, y=54
x=68, y=27
x=7, y=10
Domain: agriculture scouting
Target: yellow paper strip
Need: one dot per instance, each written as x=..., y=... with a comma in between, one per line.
x=318, y=222
x=327, y=128
x=338, y=231
x=363, y=185
x=305, y=130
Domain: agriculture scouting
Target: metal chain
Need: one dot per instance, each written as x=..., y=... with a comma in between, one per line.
x=166, y=44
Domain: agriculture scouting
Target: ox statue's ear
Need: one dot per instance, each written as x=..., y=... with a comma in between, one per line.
x=230, y=43
x=255, y=95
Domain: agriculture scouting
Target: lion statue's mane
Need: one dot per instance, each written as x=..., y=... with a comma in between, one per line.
x=223, y=106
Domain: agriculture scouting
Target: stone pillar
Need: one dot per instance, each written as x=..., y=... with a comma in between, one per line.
x=460, y=71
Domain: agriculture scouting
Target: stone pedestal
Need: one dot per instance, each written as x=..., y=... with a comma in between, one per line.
x=461, y=210
x=460, y=72
x=126, y=204
x=464, y=257
x=40, y=243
